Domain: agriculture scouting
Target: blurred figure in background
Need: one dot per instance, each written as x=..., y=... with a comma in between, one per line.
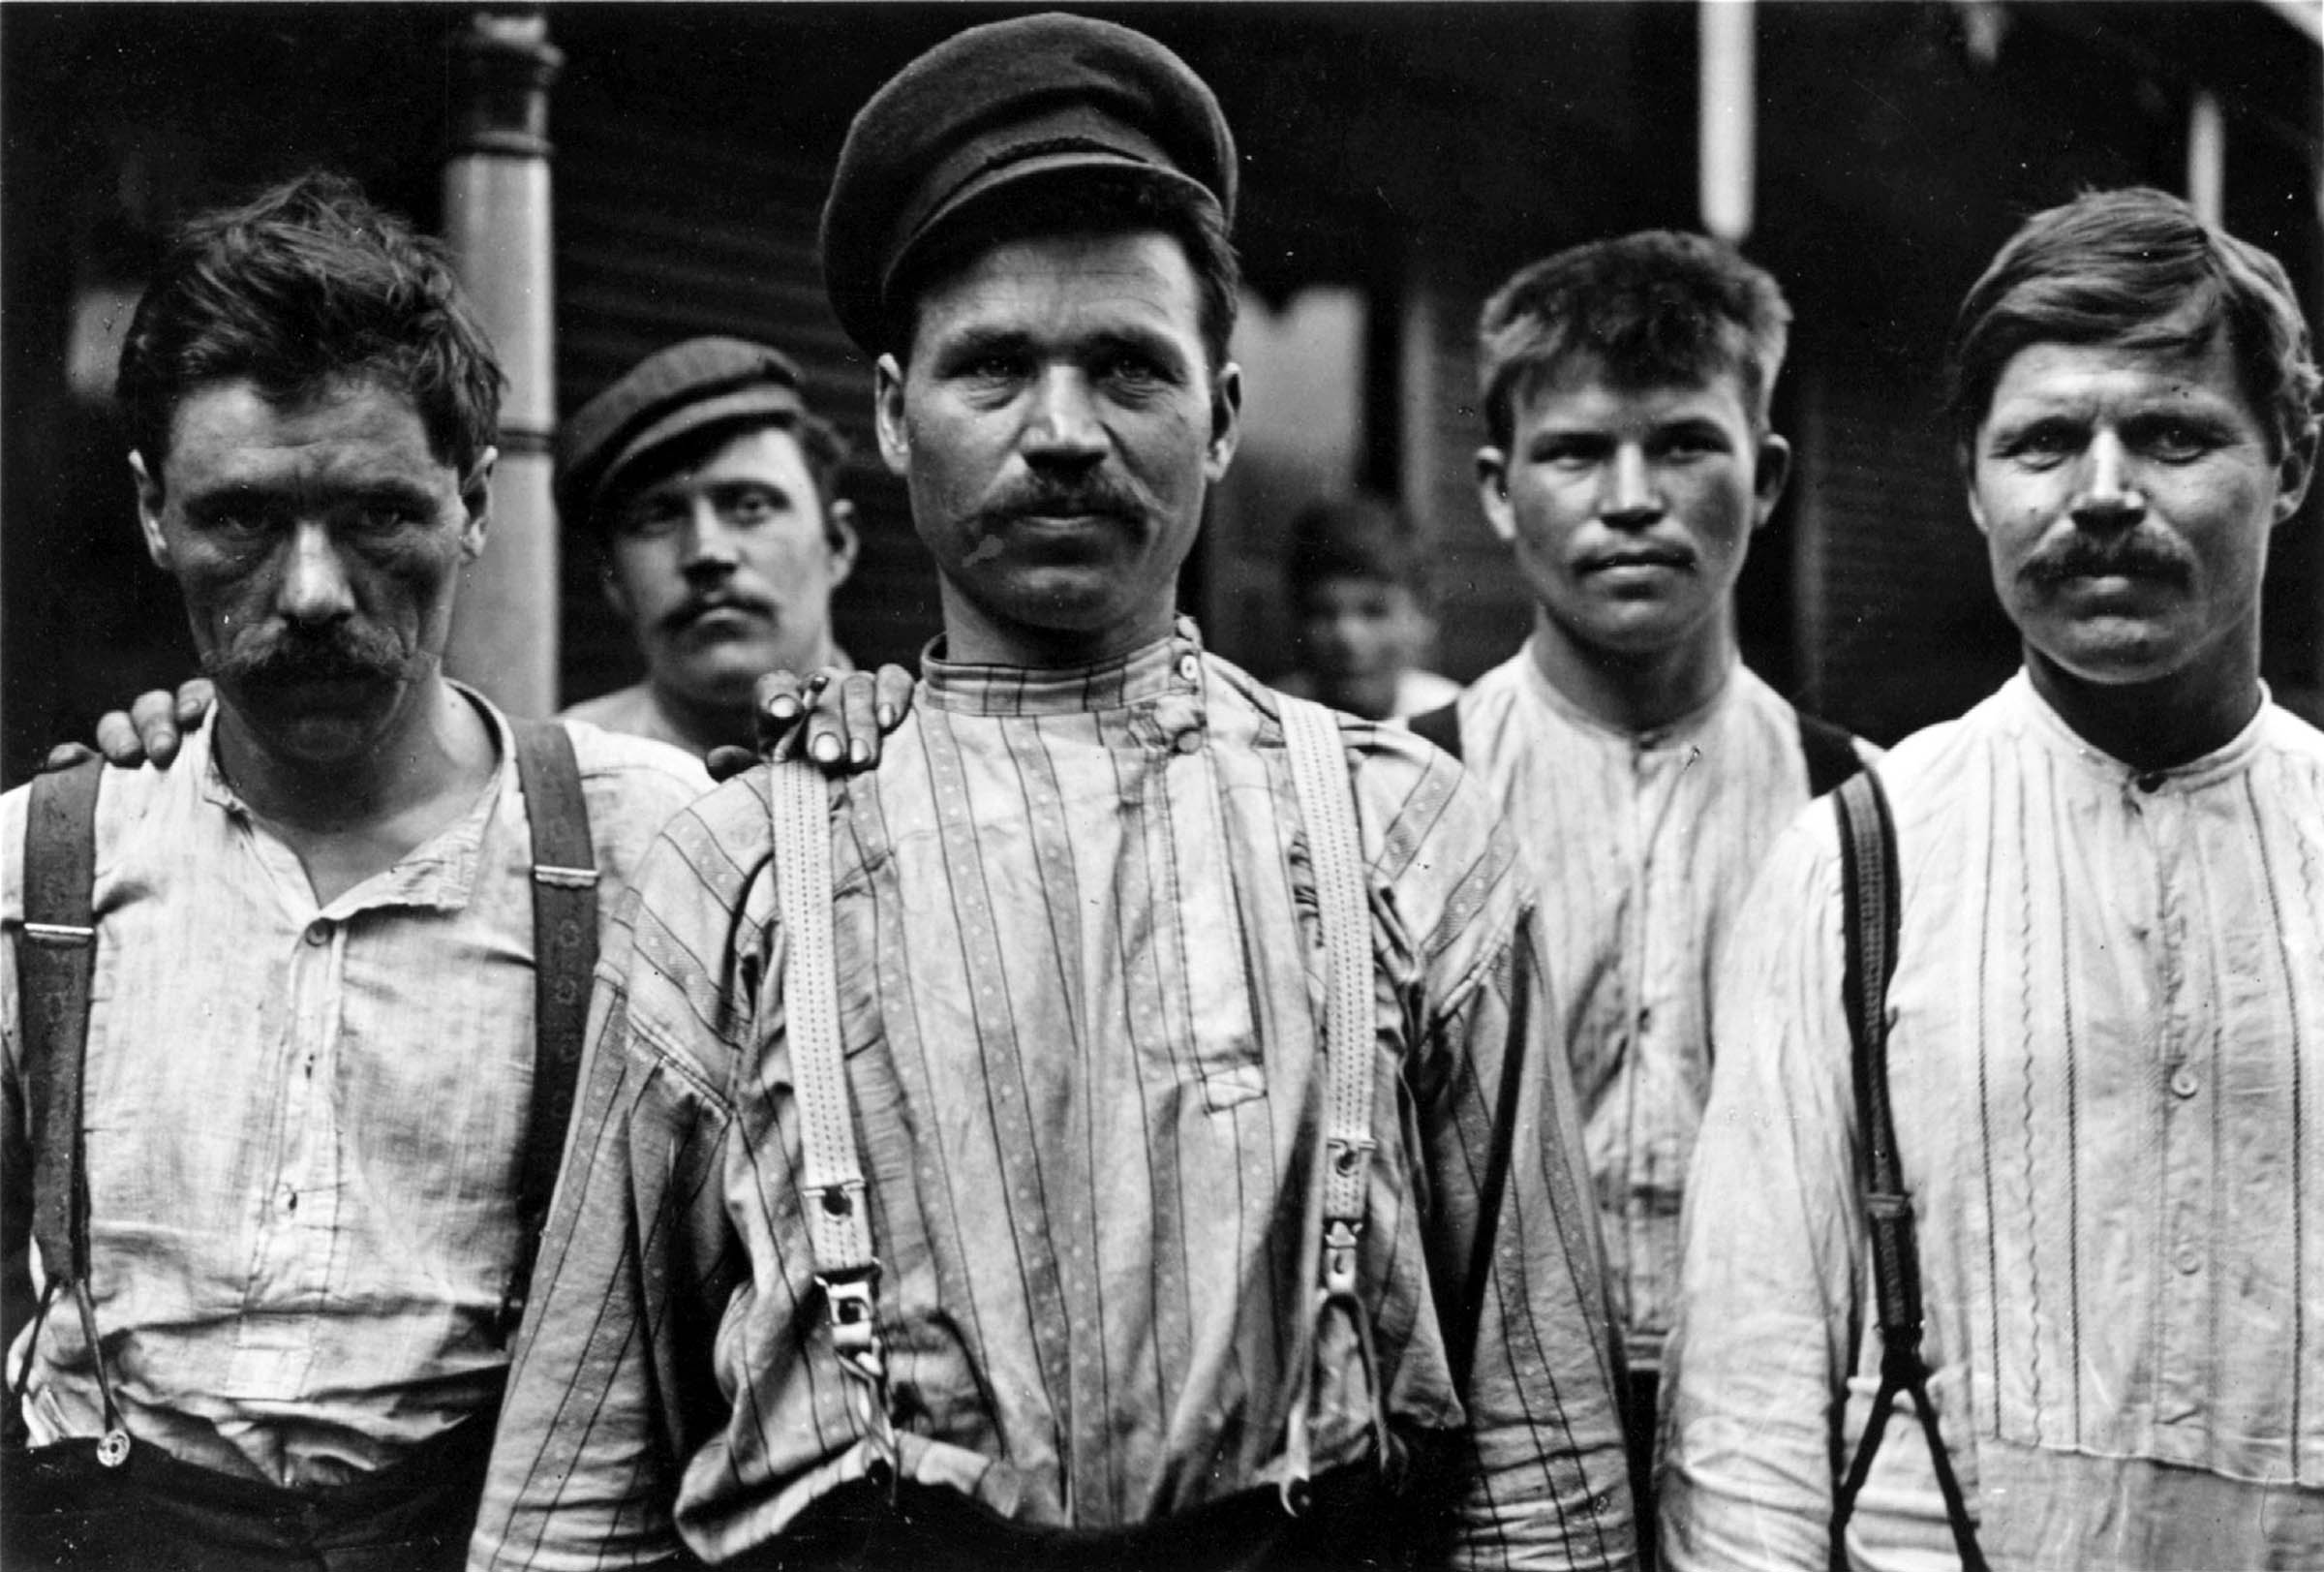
x=1357, y=575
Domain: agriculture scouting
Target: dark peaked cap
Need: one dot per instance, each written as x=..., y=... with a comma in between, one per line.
x=671, y=393
x=1044, y=97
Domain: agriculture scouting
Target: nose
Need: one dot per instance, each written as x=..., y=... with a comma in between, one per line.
x=2108, y=496
x=1063, y=427
x=315, y=587
x=708, y=550
x=1630, y=497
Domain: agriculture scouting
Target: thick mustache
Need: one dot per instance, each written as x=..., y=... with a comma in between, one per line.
x=342, y=656
x=697, y=606
x=1095, y=498
x=2132, y=556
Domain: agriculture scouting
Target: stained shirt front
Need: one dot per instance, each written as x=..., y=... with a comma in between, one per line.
x=1642, y=845
x=2107, y=1064
x=1079, y=976
x=303, y=1122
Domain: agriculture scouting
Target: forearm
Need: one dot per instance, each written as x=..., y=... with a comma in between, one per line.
x=1550, y=1484
x=583, y=1474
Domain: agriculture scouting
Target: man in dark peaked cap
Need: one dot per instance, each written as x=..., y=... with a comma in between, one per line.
x=708, y=490
x=1147, y=1150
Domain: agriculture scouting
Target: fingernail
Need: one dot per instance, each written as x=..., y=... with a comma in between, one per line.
x=887, y=716
x=783, y=709
x=858, y=753
x=826, y=750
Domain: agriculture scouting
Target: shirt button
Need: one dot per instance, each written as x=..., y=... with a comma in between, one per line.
x=319, y=933
x=1189, y=667
x=1188, y=741
x=2152, y=781
x=2188, y=1261
x=2182, y=1081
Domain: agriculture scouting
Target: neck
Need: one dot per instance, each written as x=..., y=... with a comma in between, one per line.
x=971, y=637
x=1370, y=697
x=1638, y=692
x=2153, y=725
x=434, y=743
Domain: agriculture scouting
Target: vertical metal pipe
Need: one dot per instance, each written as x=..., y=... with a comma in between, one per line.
x=495, y=223
x=1726, y=118
x=2207, y=158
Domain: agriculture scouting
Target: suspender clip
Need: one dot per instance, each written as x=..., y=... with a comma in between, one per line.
x=1340, y=1237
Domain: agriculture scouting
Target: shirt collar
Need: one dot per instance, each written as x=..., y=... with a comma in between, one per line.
x=1662, y=736
x=1169, y=665
x=438, y=874
x=2046, y=724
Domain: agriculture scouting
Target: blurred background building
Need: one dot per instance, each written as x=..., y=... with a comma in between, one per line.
x=618, y=176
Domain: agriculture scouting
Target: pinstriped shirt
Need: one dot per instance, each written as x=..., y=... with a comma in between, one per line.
x=2107, y=1061
x=1081, y=984
x=1642, y=845
x=304, y=1122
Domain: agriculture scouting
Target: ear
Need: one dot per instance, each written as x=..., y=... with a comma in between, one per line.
x=2293, y=473
x=839, y=533
x=1772, y=470
x=1967, y=466
x=475, y=500
x=150, y=511
x=609, y=584
x=1492, y=492
x=887, y=415
x=1226, y=421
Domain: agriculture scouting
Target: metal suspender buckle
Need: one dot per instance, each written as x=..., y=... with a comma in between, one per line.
x=1340, y=1237
x=850, y=1307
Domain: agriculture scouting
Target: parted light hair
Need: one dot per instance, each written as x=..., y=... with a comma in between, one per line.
x=308, y=284
x=2134, y=268
x=1654, y=308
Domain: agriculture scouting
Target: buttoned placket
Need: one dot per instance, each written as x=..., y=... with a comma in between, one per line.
x=2161, y=826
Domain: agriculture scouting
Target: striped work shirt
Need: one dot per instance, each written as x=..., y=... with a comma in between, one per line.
x=1080, y=981
x=2108, y=1067
x=304, y=1122
x=1642, y=845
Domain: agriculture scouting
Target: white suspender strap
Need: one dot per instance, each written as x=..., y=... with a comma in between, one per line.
x=839, y=1222
x=1319, y=774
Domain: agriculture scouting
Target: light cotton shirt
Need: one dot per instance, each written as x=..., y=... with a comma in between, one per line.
x=304, y=1124
x=636, y=711
x=1642, y=845
x=2107, y=1061
x=1080, y=978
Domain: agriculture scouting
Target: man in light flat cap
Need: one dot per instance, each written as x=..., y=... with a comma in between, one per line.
x=1120, y=1128
x=708, y=490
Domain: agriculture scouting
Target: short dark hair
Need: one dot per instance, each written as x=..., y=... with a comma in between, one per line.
x=2134, y=268
x=1088, y=202
x=1654, y=307
x=306, y=284
x=1360, y=535
x=819, y=443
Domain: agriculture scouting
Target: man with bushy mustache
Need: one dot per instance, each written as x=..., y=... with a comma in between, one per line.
x=291, y=1027
x=2104, y=1034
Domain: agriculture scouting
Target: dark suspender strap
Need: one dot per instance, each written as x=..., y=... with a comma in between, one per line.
x=564, y=951
x=1829, y=752
x=1441, y=726
x=54, y=964
x=1871, y=899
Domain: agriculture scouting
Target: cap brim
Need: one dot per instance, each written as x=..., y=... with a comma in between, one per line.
x=768, y=402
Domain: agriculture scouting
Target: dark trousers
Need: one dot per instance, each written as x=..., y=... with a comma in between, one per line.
x=1639, y=1389
x=61, y=1508
x=1356, y=1521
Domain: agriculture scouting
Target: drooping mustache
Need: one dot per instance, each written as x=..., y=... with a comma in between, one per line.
x=2132, y=556
x=296, y=655
x=695, y=606
x=1096, y=496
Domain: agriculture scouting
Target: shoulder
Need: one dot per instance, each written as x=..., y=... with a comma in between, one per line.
x=617, y=710
x=639, y=763
x=1418, y=691
x=2293, y=739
